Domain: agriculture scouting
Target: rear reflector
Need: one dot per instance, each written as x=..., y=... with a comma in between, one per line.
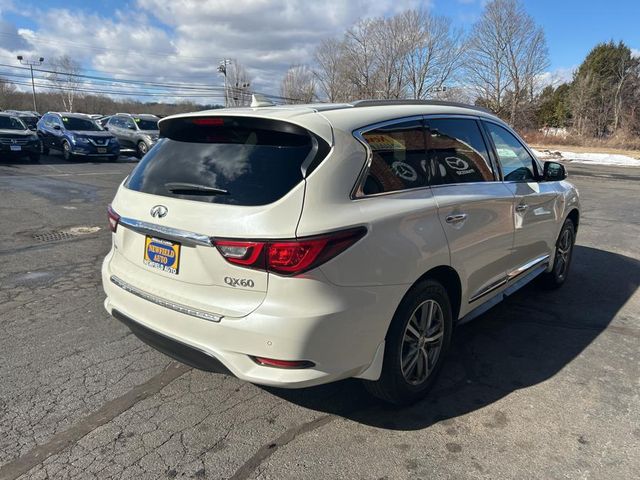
x=270, y=362
x=288, y=257
x=114, y=218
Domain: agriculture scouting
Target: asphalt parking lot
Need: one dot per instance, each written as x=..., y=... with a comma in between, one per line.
x=545, y=385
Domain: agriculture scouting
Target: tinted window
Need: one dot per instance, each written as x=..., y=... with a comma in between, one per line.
x=516, y=163
x=30, y=121
x=126, y=122
x=238, y=161
x=398, y=158
x=75, y=123
x=11, y=123
x=146, y=123
x=457, y=152
x=114, y=122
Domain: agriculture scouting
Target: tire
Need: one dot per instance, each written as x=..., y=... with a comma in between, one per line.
x=44, y=150
x=66, y=151
x=562, y=261
x=404, y=379
x=34, y=158
x=141, y=149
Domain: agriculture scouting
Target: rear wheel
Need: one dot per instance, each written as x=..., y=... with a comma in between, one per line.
x=142, y=149
x=66, y=151
x=416, y=344
x=564, y=251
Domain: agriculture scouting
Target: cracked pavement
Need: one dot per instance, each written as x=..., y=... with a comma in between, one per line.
x=545, y=385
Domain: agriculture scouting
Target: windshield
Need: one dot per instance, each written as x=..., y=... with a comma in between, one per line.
x=146, y=123
x=30, y=121
x=11, y=123
x=74, y=123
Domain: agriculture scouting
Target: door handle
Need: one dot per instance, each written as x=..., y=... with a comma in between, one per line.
x=457, y=218
x=522, y=207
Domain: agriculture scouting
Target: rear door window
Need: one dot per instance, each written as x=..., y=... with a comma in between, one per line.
x=228, y=160
x=398, y=158
x=457, y=152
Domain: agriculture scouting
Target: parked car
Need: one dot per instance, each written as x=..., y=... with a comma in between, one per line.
x=138, y=132
x=76, y=135
x=29, y=118
x=16, y=140
x=295, y=246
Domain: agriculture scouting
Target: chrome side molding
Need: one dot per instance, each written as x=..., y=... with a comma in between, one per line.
x=182, y=236
x=512, y=276
x=177, y=307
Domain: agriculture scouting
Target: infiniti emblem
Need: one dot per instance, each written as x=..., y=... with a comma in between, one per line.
x=159, y=211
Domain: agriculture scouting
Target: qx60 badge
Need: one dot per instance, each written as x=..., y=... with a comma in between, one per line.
x=159, y=211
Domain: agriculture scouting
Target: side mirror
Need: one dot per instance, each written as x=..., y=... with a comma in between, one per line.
x=554, y=172
x=56, y=127
x=106, y=127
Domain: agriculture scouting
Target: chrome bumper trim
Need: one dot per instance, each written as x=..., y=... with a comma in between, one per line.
x=168, y=233
x=177, y=307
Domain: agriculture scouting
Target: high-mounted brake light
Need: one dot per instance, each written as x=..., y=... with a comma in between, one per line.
x=211, y=121
x=288, y=257
x=114, y=218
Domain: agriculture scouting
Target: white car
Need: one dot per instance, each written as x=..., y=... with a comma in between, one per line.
x=294, y=246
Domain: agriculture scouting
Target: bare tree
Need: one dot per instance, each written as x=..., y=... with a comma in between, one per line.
x=330, y=70
x=506, y=53
x=298, y=85
x=392, y=43
x=66, y=79
x=238, y=92
x=435, y=52
x=360, y=62
x=7, y=91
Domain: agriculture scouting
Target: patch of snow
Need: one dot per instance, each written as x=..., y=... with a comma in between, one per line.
x=613, y=159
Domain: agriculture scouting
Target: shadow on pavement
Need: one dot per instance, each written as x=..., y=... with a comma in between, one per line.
x=523, y=341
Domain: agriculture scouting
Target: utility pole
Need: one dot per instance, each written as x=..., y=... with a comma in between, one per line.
x=222, y=68
x=31, y=64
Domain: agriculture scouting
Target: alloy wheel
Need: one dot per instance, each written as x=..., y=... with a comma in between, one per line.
x=422, y=342
x=563, y=253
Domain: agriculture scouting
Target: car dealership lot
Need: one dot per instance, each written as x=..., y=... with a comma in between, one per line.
x=545, y=385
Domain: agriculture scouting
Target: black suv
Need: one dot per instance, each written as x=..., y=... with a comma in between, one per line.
x=76, y=135
x=16, y=140
x=139, y=132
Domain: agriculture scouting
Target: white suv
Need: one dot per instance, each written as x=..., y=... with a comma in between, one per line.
x=294, y=246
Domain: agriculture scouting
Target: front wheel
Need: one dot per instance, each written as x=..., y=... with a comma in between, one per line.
x=34, y=158
x=416, y=344
x=564, y=251
x=142, y=149
x=66, y=151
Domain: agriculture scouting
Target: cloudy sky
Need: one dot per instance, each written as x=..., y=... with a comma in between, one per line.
x=183, y=40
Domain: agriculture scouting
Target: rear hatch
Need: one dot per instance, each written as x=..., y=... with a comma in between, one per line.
x=210, y=177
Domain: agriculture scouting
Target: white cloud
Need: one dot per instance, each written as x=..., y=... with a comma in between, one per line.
x=185, y=39
x=635, y=53
x=557, y=77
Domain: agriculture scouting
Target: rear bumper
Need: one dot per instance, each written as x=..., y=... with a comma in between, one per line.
x=339, y=329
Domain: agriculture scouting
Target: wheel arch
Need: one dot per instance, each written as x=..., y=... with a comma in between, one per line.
x=574, y=216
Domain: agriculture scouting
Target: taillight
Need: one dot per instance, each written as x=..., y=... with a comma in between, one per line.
x=114, y=218
x=209, y=121
x=289, y=257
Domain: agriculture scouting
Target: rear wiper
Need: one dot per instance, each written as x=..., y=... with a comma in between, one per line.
x=181, y=188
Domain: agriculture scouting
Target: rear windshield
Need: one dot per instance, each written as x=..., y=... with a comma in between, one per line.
x=241, y=161
x=30, y=121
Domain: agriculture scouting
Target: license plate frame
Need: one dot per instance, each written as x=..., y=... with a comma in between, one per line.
x=161, y=254
x=15, y=148
x=102, y=150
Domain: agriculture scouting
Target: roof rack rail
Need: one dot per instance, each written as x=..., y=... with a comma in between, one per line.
x=442, y=103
